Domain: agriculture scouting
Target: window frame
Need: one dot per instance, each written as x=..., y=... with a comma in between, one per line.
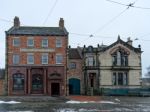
x=16, y=42
x=32, y=58
x=16, y=59
x=45, y=55
x=116, y=79
x=58, y=43
x=16, y=82
x=59, y=56
x=121, y=60
x=29, y=44
x=44, y=45
x=72, y=65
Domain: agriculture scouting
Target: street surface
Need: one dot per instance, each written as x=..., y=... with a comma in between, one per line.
x=75, y=104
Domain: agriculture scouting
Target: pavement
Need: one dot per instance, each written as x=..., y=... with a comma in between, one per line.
x=85, y=98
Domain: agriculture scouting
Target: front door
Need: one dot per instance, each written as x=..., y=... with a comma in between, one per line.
x=55, y=89
x=74, y=86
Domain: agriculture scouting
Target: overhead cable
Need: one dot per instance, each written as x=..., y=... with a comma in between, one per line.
x=50, y=12
x=128, y=5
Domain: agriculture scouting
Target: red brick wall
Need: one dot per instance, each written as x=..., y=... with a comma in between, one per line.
x=37, y=44
x=22, y=67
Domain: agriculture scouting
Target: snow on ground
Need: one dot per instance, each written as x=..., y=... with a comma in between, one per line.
x=78, y=110
x=117, y=99
x=77, y=102
x=9, y=102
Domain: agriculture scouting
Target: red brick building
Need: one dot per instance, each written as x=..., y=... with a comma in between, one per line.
x=36, y=59
x=75, y=74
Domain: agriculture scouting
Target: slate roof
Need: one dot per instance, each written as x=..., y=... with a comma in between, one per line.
x=47, y=31
x=74, y=53
x=137, y=50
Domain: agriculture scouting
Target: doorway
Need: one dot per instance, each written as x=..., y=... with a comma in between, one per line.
x=74, y=86
x=55, y=89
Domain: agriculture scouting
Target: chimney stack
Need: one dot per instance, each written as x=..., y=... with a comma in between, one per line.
x=16, y=22
x=61, y=23
x=129, y=41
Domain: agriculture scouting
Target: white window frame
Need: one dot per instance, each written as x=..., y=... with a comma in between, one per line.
x=43, y=44
x=44, y=57
x=59, y=56
x=29, y=60
x=15, y=43
x=58, y=43
x=16, y=59
x=28, y=43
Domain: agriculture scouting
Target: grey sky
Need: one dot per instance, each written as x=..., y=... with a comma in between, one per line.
x=85, y=17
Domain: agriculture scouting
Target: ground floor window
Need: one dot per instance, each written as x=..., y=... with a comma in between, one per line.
x=120, y=78
x=18, y=81
x=37, y=82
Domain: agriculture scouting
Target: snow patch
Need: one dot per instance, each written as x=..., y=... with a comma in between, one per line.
x=72, y=101
x=117, y=100
x=108, y=102
x=9, y=102
x=78, y=102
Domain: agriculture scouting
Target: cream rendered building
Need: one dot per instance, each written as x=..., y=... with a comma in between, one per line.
x=120, y=65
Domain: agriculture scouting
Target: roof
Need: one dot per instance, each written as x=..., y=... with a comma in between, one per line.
x=74, y=53
x=47, y=31
x=137, y=50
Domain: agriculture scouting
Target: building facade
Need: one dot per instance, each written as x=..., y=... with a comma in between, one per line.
x=116, y=67
x=74, y=75
x=36, y=59
x=120, y=65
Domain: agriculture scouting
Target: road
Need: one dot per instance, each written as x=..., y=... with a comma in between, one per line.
x=105, y=104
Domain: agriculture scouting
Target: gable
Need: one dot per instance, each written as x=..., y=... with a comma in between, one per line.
x=121, y=44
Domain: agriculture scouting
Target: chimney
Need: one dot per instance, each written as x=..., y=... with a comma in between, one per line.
x=61, y=23
x=129, y=41
x=16, y=22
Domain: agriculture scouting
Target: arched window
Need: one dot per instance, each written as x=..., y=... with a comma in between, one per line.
x=120, y=58
x=37, y=82
x=18, y=81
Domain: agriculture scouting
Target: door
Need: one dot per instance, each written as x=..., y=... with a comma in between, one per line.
x=55, y=89
x=74, y=86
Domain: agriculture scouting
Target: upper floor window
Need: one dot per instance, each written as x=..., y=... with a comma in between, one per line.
x=30, y=59
x=72, y=65
x=44, y=58
x=120, y=78
x=90, y=61
x=30, y=42
x=59, y=59
x=58, y=43
x=16, y=42
x=44, y=42
x=120, y=58
x=18, y=81
x=16, y=59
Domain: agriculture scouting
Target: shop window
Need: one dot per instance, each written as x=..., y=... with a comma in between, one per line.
x=18, y=81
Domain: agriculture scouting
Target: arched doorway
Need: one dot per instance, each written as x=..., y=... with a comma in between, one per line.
x=74, y=86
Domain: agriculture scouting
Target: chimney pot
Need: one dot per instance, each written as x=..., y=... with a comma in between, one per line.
x=129, y=41
x=16, y=22
x=61, y=23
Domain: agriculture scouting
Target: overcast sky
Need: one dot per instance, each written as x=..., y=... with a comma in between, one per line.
x=103, y=19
